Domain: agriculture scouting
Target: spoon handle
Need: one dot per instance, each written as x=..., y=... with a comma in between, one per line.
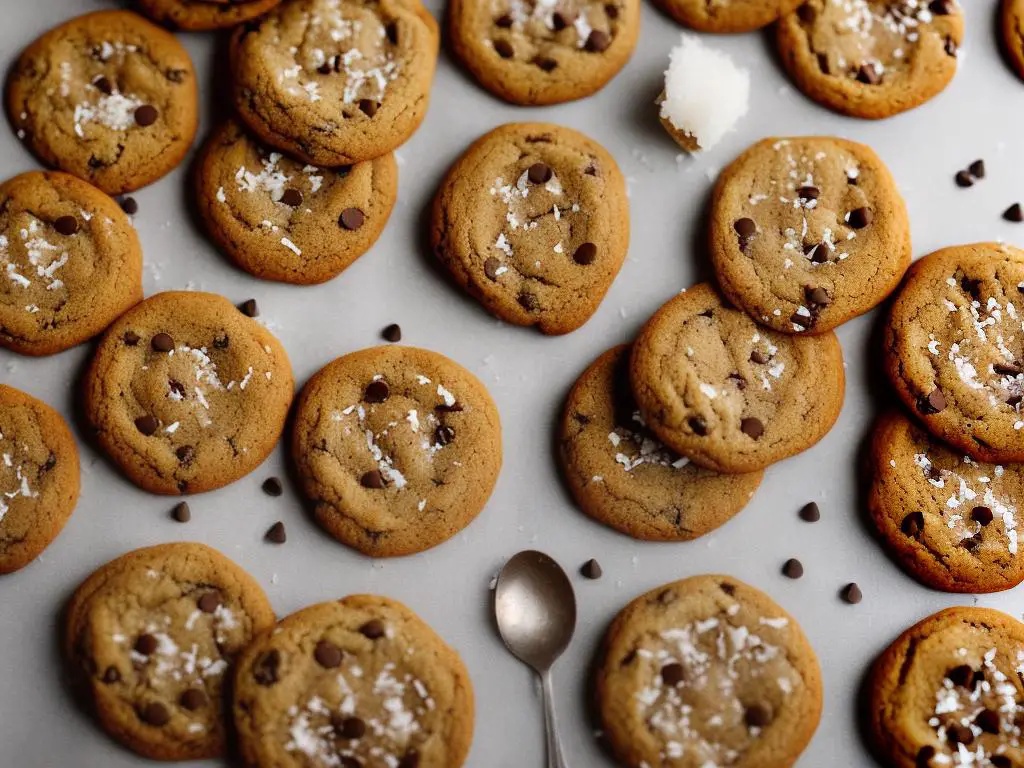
x=554, y=749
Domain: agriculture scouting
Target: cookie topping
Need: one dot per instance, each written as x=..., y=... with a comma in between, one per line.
x=793, y=568
x=392, y=333
x=591, y=569
x=146, y=115
x=276, y=534
x=635, y=445
x=810, y=513
x=272, y=486
x=374, y=629
x=327, y=655
x=351, y=219
x=546, y=29
x=852, y=594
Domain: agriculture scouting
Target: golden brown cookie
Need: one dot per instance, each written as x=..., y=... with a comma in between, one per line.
x=547, y=52
x=871, y=58
x=948, y=692
x=623, y=476
x=187, y=394
x=807, y=233
x=39, y=477
x=336, y=82
x=954, y=348
x=533, y=222
x=397, y=448
x=1011, y=25
x=204, y=15
x=728, y=394
x=727, y=15
x=707, y=671
x=107, y=96
x=71, y=259
x=150, y=639
x=358, y=682
x=281, y=219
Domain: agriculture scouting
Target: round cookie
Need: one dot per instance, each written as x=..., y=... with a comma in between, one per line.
x=948, y=692
x=397, y=448
x=203, y=15
x=39, y=477
x=358, y=682
x=874, y=58
x=728, y=394
x=544, y=53
x=72, y=259
x=951, y=522
x=533, y=222
x=150, y=639
x=807, y=233
x=727, y=15
x=280, y=219
x=707, y=671
x=1011, y=23
x=107, y=96
x=187, y=394
x=954, y=348
x=622, y=476
x=335, y=83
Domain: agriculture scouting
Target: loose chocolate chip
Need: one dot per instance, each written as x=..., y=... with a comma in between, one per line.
x=977, y=169
x=368, y=107
x=351, y=219
x=185, y=454
x=585, y=254
x=807, y=13
x=411, y=760
x=988, y=720
x=103, y=85
x=860, y=218
x=66, y=225
x=1014, y=213
x=810, y=513
x=373, y=629
x=759, y=357
x=147, y=425
x=209, y=602
x=981, y=515
x=272, y=486
x=265, y=669
x=941, y=7
x=959, y=734
x=504, y=21
x=793, y=568
x=249, y=308
x=672, y=674
x=129, y=205
x=745, y=227
x=539, y=173
x=933, y=403
x=276, y=534
x=851, y=593
x=912, y=524
x=154, y=713
x=146, y=115
x=372, y=479
x=757, y=716
x=392, y=333
x=699, y=426
x=146, y=644
x=808, y=193
x=327, y=654
x=444, y=434
x=491, y=266
x=162, y=342
x=377, y=391
x=817, y=296
x=193, y=699
x=597, y=41
x=545, y=63
x=528, y=301
x=504, y=49
x=868, y=74
x=964, y=179
x=591, y=569
x=960, y=675
x=751, y=427
x=351, y=728
x=292, y=197
x=111, y=676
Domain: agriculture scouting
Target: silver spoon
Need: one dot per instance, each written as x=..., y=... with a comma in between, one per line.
x=535, y=608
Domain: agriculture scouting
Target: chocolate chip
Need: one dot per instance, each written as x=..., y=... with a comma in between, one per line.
x=759, y=357
x=372, y=479
x=249, y=308
x=868, y=74
x=597, y=41
x=585, y=254
x=193, y=699
x=491, y=266
x=66, y=225
x=560, y=20
x=504, y=49
x=444, y=434
x=698, y=426
x=351, y=219
x=373, y=629
x=950, y=46
x=817, y=252
x=129, y=205
x=924, y=757
x=745, y=227
x=817, y=296
x=327, y=654
x=1000, y=761
x=272, y=486
x=611, y=11
x=808, y=193
x=793, y=568
x=377, y=391
x=185, y=454
x=988, y=720
x=154, y=713
x=162, y=342
x=810, y=513
x=860, y=218
x=539, y=173
x=1006, y=369
x=912, y=524
x=960, y=675
x=111, y=675
x=103, y=85
x=391, y=30
x=411, y=760
x=146, y=644
x=392, y=333
x=209, y=602
x=504, y=21
x=807, y=13
x=146, y=115
x=545, y=63
x=981, y=515
x=971, y=543
x=147, y=425
x=757, y=716
x=292, y=197
x=221, y=342
x=851, y=593
x=528, y=301
x=265, y=669
x=325, y=69
x=1014, y=213
x=977, y=169
x=751, y=427
x=351, y=728
x=959, y=734
x=823, y=64
x=351, y=762
x=799, y=320
x=368, y=107
x=933, y=403
x=672, y=674
x=941, y=7
x=591, y=569
x=276, y=533
x=131, y=338
x=963, y=179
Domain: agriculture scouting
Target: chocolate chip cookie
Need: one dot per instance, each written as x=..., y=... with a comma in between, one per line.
x=71, y=259
x=707, y=671
x=623, y=476
x=728, y=394
x=533, y=222
x=107, y=96
x=281, y=219
x=359, y=682
x=186, y=393
x=1011, y=24
x=948, y=692
x=871, y=58
x=39, y=478
x=150, y=639
x=727, y=15
x=544, y=53
x=204, y=15
x=398, y=448
x=807, y=233
x=335, y=83
x=954, y=348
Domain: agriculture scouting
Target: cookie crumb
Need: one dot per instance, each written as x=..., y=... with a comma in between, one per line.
x=810, y=513
x=591, y=569
x=272, y=486
x=181, y=512
x=276, y=534
x=392, y=333
x=851, y=593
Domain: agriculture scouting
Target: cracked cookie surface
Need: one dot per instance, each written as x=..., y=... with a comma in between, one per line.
x=533, y=222
x=544, y=52
x=149, y=642
x=397, y=448
x=623, y=476
x=358, y=682
x=203, y=15
x=108, y=97
x=948, y=692
x=728, y=394
x=707, y=671
x=39, y=477
x=281, y=219
x=950, y=521
x=71, y=260
x=954, y=348
x=727, y=15
x=335, y=82
x=871, y=58
x=187, y=394
x=807, y=233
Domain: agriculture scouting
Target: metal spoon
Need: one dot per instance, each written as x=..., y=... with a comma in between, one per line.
x=535, y=608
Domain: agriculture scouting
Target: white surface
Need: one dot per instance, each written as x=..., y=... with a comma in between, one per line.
x=978, y=116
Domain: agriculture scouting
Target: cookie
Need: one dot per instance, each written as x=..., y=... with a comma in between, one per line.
x=949, y=348
x=727, y=15
x=728, y=394
x=204, y=15
x=620, y=473
x=807, y=233
x=150, y=639
x=280, y=219
x=707, y=671
x=947, y=692
x=543, y=53
x=397, y=448
x=72, y=259
x=949, y=521
x=871, y=59
x=335, y=83
x=1011, y=25
x=533, y=222
x=39, y=477
x=108, y=97
x=358, y=682
x=187, y=394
